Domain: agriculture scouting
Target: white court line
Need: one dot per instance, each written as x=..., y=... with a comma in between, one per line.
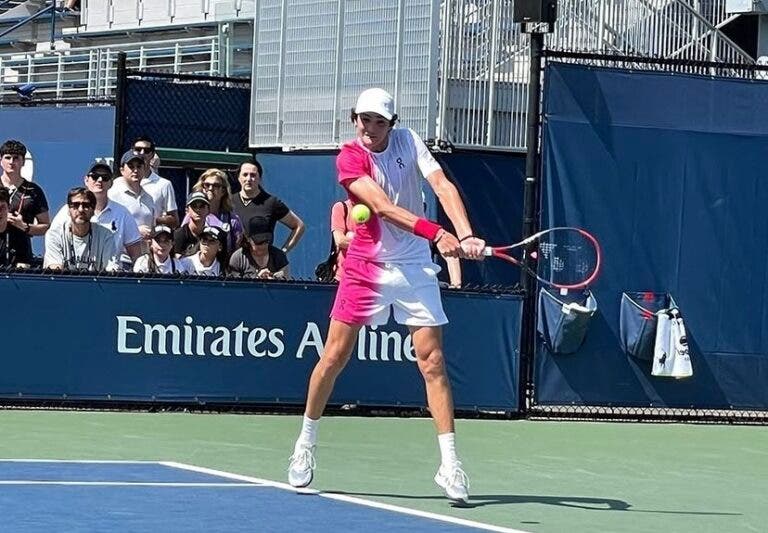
x=123, y=483
x=345, y=498
x=85, y=461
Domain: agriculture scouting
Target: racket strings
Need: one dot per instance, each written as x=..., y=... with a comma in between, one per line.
x=566, y=258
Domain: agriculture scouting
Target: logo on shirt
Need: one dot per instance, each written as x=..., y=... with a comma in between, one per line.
x=400, y=163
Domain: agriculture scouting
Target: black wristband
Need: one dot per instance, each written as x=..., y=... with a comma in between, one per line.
x=470, y=236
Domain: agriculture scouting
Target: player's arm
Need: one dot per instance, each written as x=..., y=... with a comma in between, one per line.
x=472, y=247
x=369, y=193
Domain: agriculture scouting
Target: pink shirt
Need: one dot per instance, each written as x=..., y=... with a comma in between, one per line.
x=398, y=170
x=338, y=222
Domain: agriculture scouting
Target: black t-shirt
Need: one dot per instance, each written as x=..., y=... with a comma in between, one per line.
x=243, y=266
x=15, y=247
x=29, y=200
x=262, y=205
x=185, y=242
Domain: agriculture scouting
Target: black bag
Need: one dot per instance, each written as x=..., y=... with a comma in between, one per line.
x=326, y=271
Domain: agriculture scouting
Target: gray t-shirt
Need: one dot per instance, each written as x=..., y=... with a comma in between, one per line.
x=95, y=251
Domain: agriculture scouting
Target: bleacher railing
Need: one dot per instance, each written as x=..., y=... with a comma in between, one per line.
x=91, y=73
x=484, y=65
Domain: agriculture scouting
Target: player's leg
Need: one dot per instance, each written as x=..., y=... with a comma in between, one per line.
x=358, y=301
x=420, y=307
x=338, y=347
x=427, y=343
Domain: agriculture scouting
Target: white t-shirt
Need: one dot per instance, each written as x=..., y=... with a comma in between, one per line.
x=95, y=252
x=196, y=267
x=169, y=266
x=399, y=171
x=114, y=217
x=161, y=191
x=141, y=206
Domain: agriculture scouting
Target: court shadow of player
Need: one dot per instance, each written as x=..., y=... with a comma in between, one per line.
x=576, y=502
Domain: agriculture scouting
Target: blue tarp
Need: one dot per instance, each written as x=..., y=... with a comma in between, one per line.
x=668, y=171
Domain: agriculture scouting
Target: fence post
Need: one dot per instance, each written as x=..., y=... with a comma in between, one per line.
x=530, y=214
x=120, y=118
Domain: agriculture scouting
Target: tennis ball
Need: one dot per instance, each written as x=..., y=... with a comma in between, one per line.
x=361, y=213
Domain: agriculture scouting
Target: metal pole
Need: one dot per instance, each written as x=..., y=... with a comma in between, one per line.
x=119, y=109
x=53, y=27
x=530, y=212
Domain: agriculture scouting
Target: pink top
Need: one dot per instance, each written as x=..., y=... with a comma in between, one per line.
x=398, y=170
x=339, y=223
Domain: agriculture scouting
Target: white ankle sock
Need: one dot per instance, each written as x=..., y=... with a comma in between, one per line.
x=308, y=435
x=447, y=442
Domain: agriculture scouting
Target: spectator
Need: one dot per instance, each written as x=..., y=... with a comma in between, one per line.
x=254, y=201
x=214, y=183
x=210, y=260
x=159, y=259
x=15, y=248
x=27, y=207
x=159, y=188
x=128, y=192
x=186, y=239
x=342, y=230
x=80, y=245
x=107, y=213
x=256, y=257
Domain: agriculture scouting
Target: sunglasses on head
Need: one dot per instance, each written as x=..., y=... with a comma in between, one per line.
x=78, y=205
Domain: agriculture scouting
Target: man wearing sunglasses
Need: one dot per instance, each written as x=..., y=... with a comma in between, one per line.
x=109, y=214
x=80, y=245
x=160, y=189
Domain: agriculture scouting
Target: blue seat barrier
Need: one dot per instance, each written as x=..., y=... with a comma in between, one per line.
x=637, y=319
x=197, y=340
x=563, y=319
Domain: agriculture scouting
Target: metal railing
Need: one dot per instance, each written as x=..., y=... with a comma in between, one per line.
x=90, y=73
x=484, y=55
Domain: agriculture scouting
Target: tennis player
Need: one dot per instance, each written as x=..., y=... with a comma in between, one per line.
x=388, y=265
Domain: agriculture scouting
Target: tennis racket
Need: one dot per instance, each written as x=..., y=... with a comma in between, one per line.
x=564, y=258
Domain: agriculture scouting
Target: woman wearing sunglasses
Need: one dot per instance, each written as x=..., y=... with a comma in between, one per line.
x=214, y=183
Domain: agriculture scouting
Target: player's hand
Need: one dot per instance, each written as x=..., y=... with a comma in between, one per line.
x=473, y=248
x=264, y=273
x=448, y=245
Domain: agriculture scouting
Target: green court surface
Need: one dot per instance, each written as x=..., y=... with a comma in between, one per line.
x=526, y=475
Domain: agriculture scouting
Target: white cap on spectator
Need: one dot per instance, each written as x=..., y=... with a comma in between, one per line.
x=162, y=229
x=376, y=101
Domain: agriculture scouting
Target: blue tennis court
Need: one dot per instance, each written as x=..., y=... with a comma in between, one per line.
x=79, y=496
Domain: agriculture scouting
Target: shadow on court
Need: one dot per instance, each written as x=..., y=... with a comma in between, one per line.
x=576, y=502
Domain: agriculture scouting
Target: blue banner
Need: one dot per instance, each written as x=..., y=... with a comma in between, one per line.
x=215, y=341
x=669, y=176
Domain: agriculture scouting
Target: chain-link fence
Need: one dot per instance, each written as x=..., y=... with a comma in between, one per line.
x=182, y=111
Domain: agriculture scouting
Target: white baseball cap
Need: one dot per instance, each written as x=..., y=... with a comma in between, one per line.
x=376, y=101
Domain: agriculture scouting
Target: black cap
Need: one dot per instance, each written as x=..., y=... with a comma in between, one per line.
x=100, y=170
x=198, y=196
x=259, y=230
x=130, y=156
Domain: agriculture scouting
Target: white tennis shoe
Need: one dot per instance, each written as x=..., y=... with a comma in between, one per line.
x=302, y=466
x=454, y=482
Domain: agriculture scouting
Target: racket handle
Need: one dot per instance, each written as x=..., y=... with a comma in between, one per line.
x=488, y=251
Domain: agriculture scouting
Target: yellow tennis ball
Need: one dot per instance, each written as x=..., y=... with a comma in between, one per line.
x=361, y=213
